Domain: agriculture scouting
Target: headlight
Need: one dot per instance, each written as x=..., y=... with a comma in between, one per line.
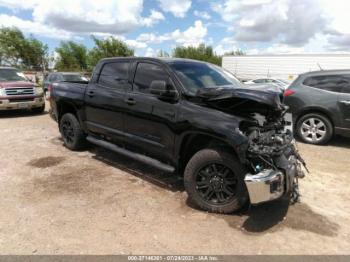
x=39, y=90
x=2, y=92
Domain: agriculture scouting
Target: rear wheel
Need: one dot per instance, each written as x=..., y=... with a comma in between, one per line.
x=214, y=180
x=72, y=134
x=314, y=129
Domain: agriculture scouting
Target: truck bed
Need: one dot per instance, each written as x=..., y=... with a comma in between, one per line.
x=70, y=92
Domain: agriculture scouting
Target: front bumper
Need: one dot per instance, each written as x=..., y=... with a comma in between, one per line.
x=265, y=186
x=6, y=104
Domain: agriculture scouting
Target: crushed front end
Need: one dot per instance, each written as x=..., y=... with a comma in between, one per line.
x=269, y=151
x=273, y=159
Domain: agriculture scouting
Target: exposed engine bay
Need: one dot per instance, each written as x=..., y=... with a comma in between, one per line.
x=271, y=156
x=272, y=153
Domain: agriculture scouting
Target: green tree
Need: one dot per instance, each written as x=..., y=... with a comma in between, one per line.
x=12, y=45
x=19, y=51
x=202, y=53
x=72, y=56
x=163, y=53
x=237, y=52
x=36, y=55
x=109, y=47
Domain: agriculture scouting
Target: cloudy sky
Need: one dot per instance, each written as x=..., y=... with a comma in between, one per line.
x=255, y=26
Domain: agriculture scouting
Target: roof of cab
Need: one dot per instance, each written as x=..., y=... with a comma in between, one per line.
x=159, y=59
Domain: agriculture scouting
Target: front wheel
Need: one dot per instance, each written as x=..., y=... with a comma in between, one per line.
x=72, y=134
x=214, y=180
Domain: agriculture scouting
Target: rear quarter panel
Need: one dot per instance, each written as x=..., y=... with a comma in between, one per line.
x=71, y=94
x=307, y=99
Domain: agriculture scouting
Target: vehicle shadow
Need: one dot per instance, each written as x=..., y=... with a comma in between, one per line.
x=260, y=219
x=340, y=141
x=159, y=178
x=20, y=113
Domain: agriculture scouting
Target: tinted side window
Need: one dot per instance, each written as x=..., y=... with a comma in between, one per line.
x=346, y=88
x=113, y=74
x=333, y=83
x=145, y=74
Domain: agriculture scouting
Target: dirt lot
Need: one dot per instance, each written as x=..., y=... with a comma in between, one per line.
x=54, y=201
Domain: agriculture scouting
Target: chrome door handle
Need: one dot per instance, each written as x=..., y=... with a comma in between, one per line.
x=346, y=102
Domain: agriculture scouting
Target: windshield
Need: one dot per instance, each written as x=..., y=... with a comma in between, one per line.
x=74, y=78
x=197, y=76
x=7, y=75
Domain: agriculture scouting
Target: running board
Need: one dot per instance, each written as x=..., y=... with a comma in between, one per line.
x=139, y=157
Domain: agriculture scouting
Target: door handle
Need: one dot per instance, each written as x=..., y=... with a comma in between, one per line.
x=91, y=93
x=130, y=101
x=346, y=102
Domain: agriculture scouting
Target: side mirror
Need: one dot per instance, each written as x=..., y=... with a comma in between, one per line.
x=162, y=90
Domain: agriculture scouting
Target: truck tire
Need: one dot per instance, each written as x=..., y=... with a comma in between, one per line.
x=72, y=134
x=314, y=129
x=214, y=181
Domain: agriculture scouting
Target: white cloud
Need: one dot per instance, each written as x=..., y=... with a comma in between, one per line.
x=152, y=38
x=178, y=8
x=154, y=18
x=202, y=14
x=135, y=44
x=192, y=36
x=150, y=52
x=35, y=27
x=82, y=16
x=288, y=25
x=264, y=21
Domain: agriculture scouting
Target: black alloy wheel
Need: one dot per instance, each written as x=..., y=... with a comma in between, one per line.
x=72, y=134
x=67, y=131
x=216, y=183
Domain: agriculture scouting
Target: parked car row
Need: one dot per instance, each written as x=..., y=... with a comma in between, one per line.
x=281, y=83
x=58, y=77
x=319, y=101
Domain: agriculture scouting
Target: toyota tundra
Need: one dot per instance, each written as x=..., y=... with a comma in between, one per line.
x=231, y=144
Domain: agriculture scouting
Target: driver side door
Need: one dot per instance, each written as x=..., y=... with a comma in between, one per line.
x=150, y=122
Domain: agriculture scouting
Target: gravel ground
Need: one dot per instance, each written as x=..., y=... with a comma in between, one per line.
x=54, y=201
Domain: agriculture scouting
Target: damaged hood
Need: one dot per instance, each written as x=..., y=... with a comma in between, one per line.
x=258, y=99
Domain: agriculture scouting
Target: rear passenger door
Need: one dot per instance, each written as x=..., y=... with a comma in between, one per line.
x=344, y=101
x=149, y=122
x=104, y=101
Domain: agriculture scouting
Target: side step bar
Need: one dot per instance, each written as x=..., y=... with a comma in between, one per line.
x=139, y=157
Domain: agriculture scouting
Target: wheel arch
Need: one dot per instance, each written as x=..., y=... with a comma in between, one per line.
x=314, y=110
x=65, y=107
x=193, y=142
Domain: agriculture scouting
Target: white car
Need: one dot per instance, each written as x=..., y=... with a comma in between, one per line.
x=275, y=81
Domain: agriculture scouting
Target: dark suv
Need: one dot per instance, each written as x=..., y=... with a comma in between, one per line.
x=320, y=104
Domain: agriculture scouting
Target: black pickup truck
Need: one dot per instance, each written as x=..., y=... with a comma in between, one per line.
x=231, y=144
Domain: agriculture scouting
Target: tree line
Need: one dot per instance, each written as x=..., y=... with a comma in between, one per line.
x=31, y=54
